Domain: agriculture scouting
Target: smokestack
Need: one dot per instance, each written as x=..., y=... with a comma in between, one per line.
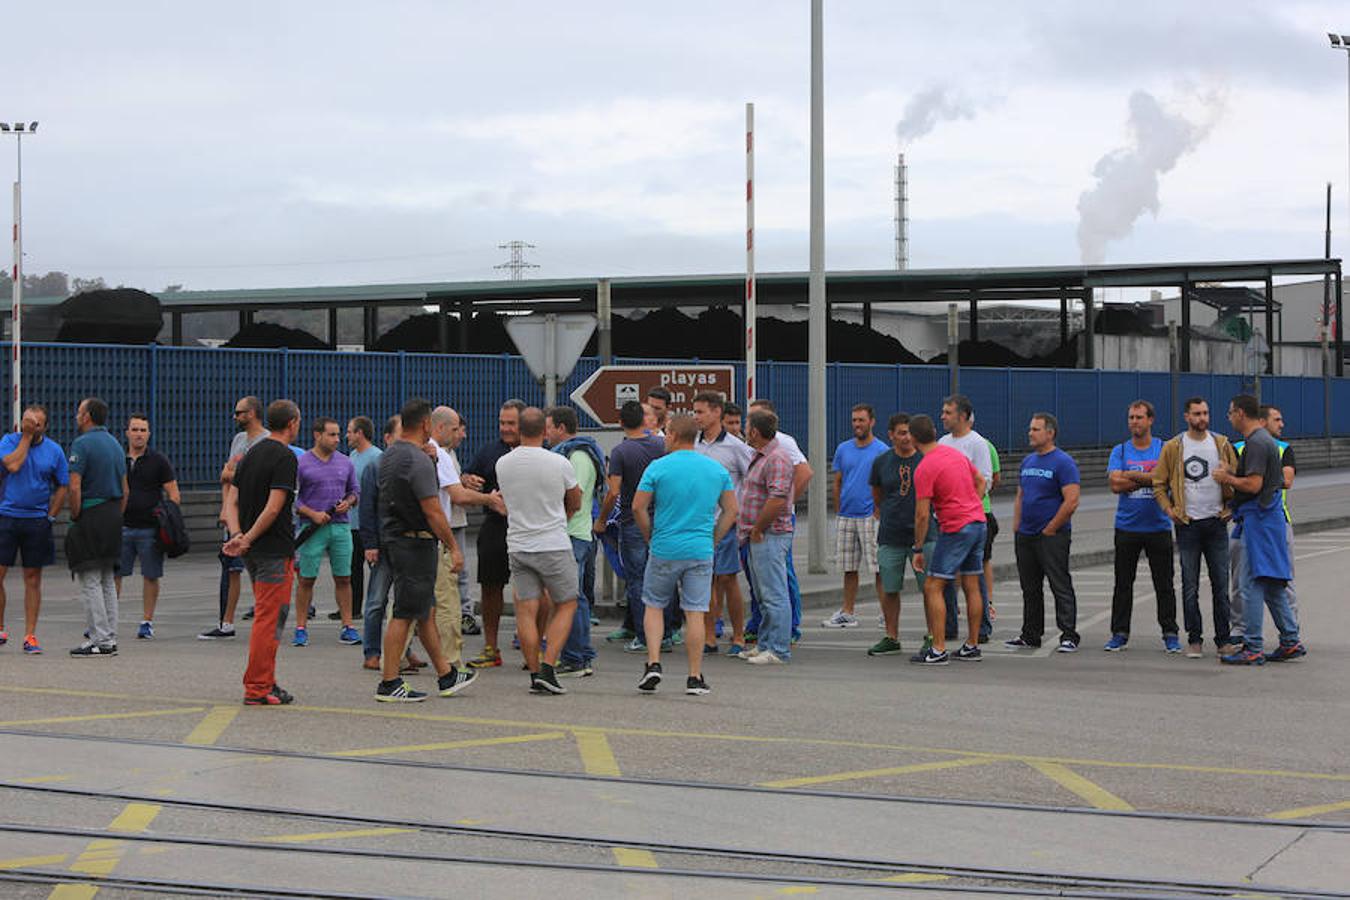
x=901, y=214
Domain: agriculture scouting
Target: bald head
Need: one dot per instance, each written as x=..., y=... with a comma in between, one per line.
x=443, y=425
x=532, y=426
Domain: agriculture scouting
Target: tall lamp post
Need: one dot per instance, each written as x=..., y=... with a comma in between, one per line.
x=18, y=129
x=1342, y=42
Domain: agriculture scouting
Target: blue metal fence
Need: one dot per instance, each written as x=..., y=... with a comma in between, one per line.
x=189, y=393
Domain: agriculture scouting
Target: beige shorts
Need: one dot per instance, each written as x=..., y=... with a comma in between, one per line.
x=856, y=545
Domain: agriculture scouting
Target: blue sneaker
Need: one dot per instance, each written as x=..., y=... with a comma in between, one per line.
x=717, y=628
x=668, y=644
x=1244, y=657
x=301, y=638
x=636, y=645
x=349, y=635
x=735, y=650
x=1171, y=643
x=146, y=632
x=1117, y=643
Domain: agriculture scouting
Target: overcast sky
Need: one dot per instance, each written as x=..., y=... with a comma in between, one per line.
x=301, y=143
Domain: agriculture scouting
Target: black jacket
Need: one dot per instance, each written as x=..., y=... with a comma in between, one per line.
x=94, y=540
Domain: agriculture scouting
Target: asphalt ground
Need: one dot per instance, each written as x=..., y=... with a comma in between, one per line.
x=1047, y=756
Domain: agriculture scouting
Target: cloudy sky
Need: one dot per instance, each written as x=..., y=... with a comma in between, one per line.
x=299, y=143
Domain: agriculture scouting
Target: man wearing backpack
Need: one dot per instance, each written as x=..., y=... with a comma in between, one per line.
x=150, y=478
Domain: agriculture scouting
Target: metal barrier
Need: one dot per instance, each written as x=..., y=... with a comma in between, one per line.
x=189, y=392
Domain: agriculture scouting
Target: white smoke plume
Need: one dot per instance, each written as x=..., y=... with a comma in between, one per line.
x=929, y=107
x=1127, y=177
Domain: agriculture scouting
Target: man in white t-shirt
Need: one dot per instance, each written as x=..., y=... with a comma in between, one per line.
x=541, y=493
x=1184, y=486
x=958, y=417
x=801, y=477
x=459, y=524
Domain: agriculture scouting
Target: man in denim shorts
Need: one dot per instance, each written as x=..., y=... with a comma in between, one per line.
x=948, y=483
x=150, y=478
x=688, y=488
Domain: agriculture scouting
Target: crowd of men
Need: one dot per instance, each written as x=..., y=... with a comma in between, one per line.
x=686, y=503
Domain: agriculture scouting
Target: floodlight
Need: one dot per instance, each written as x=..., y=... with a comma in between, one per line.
x=1335, y=39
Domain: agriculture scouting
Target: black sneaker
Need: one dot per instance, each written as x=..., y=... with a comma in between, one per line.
x=1020, y=643
x=651, y=677
x=931, y=657
x=574, y=670
x=969, y=653
x=545, y=681
x=693, y=685
x=397, y=691
x=335, y=616
x=277, y=696
x=454, y=681
x=91, y=649
x=469, y=625
x=249, y=614
x=219, y=633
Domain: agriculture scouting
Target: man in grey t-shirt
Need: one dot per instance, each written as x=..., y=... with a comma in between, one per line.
x=248, y=418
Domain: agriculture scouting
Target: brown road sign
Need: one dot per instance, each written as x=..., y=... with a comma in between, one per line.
x=601, y=395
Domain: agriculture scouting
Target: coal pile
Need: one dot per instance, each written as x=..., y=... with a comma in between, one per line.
x=269, y=335
x=110, y=316
x=989, y=353
x=420, y=334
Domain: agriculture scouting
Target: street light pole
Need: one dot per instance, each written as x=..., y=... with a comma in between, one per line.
x=1342, y=42
x=18, y=129
x=817, y=496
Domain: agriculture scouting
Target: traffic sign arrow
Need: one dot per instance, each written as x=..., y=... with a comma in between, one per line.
x=609, y=387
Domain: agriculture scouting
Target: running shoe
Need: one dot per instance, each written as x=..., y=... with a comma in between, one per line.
x=1286, y=652
x=620, y=636
x=678, y=637
x=651, y=677
x=751, y=636
x=335, y=616
x=736, y=650
x=454, y=681
x=31, y=645
x=219, y=633
x=696, y=685
x=636, y=645
x=573, y=670
x=1244, y=657
x=931, y=657
x=1171, y=643
x=251, y=611
x=469, y=625
x=1195, y=650
x=766, y=658
x=840, y=619
x=667, y=645
x=4, y=637
x=1020, y=643
x=545, y=681
x=146, y=632
x=301, y=638
x=1228, y=648
x=968, y=653
x=1067, y=647
x=887, y=646
x=1117, y=643
x=397, y=691
x=349, y=635
x=90, y=649
x=489, y=658
x=709, y=649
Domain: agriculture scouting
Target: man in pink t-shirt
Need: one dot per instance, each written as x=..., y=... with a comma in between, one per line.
x=946, y=482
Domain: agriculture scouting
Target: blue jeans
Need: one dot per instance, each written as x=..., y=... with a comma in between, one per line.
x=1258, y=595
x=377, y=597
x=768, y=574
x=1207, y=538
x=794, y=593
x=578, y=648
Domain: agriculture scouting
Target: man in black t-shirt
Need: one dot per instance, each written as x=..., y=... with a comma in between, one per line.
x=150, y=478
x=892, y=482
x=411, y=523
x=494, y=568
x=258, y=519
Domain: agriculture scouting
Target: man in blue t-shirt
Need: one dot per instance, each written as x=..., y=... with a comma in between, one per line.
x=32, y=491
x=93, y=545
x=1141, y=525
x=1047, y=495
x=856, y=534
x=676, y=506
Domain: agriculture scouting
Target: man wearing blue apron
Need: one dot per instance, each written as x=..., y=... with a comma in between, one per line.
x=1267, y=566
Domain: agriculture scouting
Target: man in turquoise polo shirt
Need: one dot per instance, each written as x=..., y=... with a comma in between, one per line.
x=97, y=498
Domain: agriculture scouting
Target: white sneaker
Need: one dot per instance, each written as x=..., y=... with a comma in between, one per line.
x=840, y=619
x=765, y=658
x=748, y=655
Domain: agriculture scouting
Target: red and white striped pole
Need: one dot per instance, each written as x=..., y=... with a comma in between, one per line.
x=16, y=319
x=750, y=393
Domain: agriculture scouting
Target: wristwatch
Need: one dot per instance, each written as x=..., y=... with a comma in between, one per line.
x=916, y=549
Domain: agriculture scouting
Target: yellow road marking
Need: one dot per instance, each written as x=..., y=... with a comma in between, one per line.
x=596, y=755
x=799, y=889
x=877, y=773
x=453, y=745
x=93, y=717
x=212, y=725
x=24, y=862
x=1093, y=793
x=915, y=877
x=1304, y=812
x=45, y=779
x=334, y=835
x=96, y=858
x=738, y=738
x=635, y=859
